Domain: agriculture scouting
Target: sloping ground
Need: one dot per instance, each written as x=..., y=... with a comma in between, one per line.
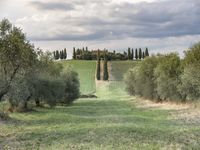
x=110, y=122
x=119, y=68
x=86, y=71
x=114, y=120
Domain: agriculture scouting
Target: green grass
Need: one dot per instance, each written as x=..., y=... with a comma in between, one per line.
x=119, y=68
x=109, y=122
x=86, y=71
x=112, y=121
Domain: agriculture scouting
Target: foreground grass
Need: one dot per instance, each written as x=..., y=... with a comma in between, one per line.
x=86, y=71
x=119, y=68
x=110, y=122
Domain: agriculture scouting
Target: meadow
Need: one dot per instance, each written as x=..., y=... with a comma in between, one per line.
x=86, y=70
x=119, y=68
x=112, y=121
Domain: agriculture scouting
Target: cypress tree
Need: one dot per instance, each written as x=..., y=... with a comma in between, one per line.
x=129, y=53
x=98, y=54
x=143, y=55
x=146, y=52
x=140, y=53
x=136, y=54
x=57, y=55
x=132, y=56
x=65, y=54
x=105, y=72
x=86, y=48
x=74, y=53
x=98, y=75
x=62, y=54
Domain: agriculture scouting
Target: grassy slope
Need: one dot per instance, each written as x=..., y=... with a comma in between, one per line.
x=119, y=68
x=86, y=71
x=110, y=122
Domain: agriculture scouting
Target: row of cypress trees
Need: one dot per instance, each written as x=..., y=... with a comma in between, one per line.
x=60, y=54
x=138, y=54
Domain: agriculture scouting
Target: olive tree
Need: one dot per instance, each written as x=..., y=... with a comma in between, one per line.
x=167, y=74
x=190, y=87
x=17, y=55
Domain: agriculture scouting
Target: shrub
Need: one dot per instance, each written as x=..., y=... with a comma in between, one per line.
x=130, y=80
x=190, y=87
x=4, y=116
x=18, y=95
x=167, y=75
x=71, y=86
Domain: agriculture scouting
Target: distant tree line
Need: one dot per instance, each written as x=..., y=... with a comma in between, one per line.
x=60, y=54
x=167, y=77
x=28, y=74
x=130, y=54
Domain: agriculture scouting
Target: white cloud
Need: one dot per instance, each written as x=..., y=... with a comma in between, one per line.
x=159, y=24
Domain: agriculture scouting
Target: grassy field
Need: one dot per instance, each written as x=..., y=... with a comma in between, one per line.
x=119, y=68
x=111, y=121
x=86, y=71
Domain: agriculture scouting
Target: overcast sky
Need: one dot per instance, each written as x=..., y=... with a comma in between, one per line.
x=161, y=25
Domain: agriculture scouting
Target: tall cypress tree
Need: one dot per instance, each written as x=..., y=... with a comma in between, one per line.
x=129, y=53
x=54, y=55
x=98, y=75
x=140, y=53
x=143, y=55
x=98, y=54
x=57, y=55
x=146, y=52
x=105, y=72
x=74, y=53
x=136, y=54
x=132, y=56
x=65, y=54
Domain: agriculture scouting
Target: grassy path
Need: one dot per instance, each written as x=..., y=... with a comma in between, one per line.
x=109, y=122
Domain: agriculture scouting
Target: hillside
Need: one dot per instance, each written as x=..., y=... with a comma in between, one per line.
x=114, y=120
x=119, y=68
x=86, y=71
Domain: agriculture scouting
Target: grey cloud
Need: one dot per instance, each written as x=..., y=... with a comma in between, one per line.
x=51, y=5
x=170, y=18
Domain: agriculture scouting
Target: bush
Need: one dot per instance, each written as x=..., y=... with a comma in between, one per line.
x=130, y=80
x=191, y=82
x=167, y=74
x=18, y=95
x=4, y=116
x=157, y=77
x=71, y=86
x=190, y=87
x=140, y=80
x=145, y=83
